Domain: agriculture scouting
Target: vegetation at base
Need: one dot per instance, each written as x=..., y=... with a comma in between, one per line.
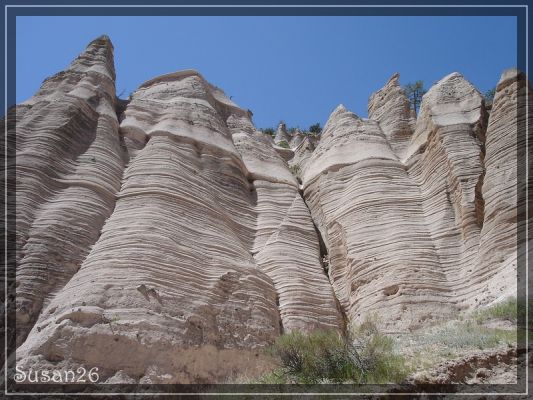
x=284, y=144
x=479, y=330
x=368, y=356
x=325, y=356
x=506, y=310
x=509, y=310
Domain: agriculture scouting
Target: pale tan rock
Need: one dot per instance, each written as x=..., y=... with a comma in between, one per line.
x=297, y=137
x=173, y=268
x=445, y=159
x=302, y=154
x=390, y=107
x=68, y=171
x=286, y=245
x=197, y=261
x=281, y=134
x=496, y=265
x=369, y=211
x=425, y=197
x=171, y=248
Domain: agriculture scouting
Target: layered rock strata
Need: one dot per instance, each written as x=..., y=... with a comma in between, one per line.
x=209, y=250
x=445, y=158
x=170, y=243
x=370, y=213
x=390, y=107
x=68, y=171
x=409, y=216
x=281, y=134
x=502, y=191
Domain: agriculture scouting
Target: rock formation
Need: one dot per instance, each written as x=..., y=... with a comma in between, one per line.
x=165, y=239
x=209, y=250
x=281, y=134
x=68, y=170
x=296, y=138
x=390, y=107
x=369, y=211
x=502, y=192
x=402, y=213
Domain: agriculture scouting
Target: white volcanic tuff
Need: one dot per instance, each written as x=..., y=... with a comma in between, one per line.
x=370, y=214
x=172, y=268
x=335, y=136
x=211, y=252
x=286, y=243
x=281, y=134
x=296, y=138
x=497, y=246
x=68, y=169
x=262, y=161
x=175, y=260
x=445, y=159
x=302, y=154
x=291, y=257
x=286, y=154
x=390, y=107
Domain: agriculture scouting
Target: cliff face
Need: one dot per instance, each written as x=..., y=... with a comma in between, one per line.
x=207, y=248
x=159, y=233
x=68, y=170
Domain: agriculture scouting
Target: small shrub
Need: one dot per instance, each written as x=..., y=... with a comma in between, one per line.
x=314, y=357
x=366, y=356
x=512, y=310
x=284, y=144
x=379, y=361
x=505, y=310
x=295, y=169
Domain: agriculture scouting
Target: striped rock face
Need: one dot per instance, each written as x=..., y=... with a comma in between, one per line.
x=420, y=219
x=68, y=170
x=164, y=239
x=187, y=238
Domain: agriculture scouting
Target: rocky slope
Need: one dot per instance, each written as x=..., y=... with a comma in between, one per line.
x=162, y=232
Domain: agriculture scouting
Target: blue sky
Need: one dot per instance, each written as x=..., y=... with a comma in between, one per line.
x=297, y=69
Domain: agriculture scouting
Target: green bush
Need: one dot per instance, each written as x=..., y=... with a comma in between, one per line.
x=366, y=356
x=506, y=310
x=468, y=334
x=295, y=169
x=315, y=357
x=315, y=128
x=284, y=144
x=380, y=362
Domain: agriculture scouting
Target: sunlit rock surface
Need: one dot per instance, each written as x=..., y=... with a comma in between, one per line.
x=391, y=108
x=209, y=248
x=369, y=210
x=164, y=239
x=502, y=192
x=68, y=170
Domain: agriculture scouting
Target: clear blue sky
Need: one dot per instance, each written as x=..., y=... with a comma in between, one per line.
x=293, y=68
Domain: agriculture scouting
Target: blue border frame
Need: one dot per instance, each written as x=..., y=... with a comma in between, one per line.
x=364, y=8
